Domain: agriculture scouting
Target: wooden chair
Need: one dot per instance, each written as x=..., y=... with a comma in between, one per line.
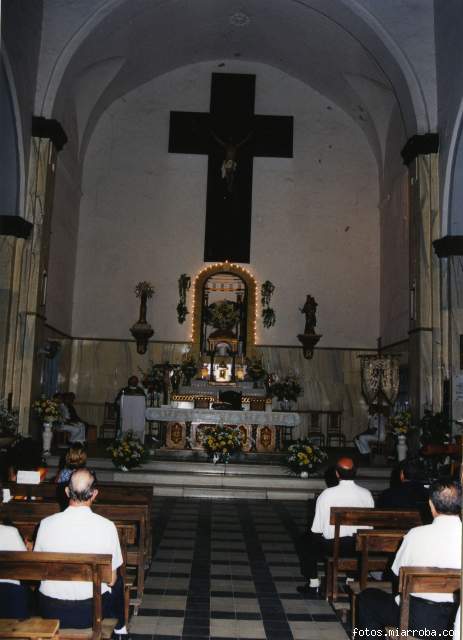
x=95, y=568
x=334, y=431
x=315, y=428
x=40, y=628
x=377, y=542
x=424, y=580
x=202, y=403
x=356, y=516
x=257, y=404
x=109, y=420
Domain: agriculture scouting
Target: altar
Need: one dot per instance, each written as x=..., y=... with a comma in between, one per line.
x=262, y=431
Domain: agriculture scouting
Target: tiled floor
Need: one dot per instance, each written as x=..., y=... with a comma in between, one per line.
x=228, y=569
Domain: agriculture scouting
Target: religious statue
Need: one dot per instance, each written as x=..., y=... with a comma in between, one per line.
x=310, y=310
x=309, y=338
x=230, y=162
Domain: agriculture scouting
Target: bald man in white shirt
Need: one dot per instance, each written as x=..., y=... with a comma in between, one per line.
x=78, y=529
x=432, y=545
x=315, y=545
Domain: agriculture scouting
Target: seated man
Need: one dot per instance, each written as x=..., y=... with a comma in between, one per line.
x=79, y=530
x=318, y=543
x=14, y=596
x=407, y=490
x=70, y=421
x=432, y=545
x=376, y=431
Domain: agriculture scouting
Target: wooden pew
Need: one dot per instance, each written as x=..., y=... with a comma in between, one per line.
x=95, y=568
x=118, y=513
x=108, y=493
x=32, y=628
x=424, y=580
x=127, y=536
x=357, y=516
x=378, y=542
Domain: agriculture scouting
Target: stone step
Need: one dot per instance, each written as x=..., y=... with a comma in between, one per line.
x=233, y=481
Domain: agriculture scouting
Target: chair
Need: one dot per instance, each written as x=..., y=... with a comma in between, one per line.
x=334, y=432
x=257, y=404
x=232, y=397
x=109, y=420
x=202, y=403
x=315, y=428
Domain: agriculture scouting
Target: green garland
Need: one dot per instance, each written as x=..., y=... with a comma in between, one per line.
x=268, y=314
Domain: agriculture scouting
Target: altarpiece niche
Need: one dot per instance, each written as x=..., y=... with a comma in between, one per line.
x=224, y=321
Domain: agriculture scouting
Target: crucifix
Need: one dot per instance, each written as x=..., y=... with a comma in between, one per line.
x=231, y=135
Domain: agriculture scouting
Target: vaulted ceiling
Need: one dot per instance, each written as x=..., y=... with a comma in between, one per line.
x=374, y=59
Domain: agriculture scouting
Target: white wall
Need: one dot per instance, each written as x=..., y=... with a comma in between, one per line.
x=315, y=218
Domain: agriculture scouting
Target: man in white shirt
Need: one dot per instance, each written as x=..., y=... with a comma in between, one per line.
x=376, y=431
x=14, y=597
x=313, y=546
x=432, y=545
x=79, y=530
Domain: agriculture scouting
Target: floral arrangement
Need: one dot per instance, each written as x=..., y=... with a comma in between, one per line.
x=128, y=452
x=221, y=441
x=400, y=423
x=255, y=369
x=47, y=409
x=223, y=315
x=8, y=421
x=288, y=388
x=303, y=457
x=435, y=428
x=153, y=378
x=189, y=368
x=144, y=289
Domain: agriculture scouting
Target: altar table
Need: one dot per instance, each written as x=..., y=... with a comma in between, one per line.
x=261, y=430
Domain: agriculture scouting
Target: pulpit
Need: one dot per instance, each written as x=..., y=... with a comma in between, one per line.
x=133, y=415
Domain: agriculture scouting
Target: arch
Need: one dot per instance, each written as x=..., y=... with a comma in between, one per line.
x=200, y=280
x=20, y=151
x=451, y=187
x=68, y=51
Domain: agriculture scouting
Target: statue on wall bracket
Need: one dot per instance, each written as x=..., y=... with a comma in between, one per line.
x=309, y=338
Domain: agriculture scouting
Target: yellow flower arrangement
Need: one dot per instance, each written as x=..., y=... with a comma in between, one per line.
x=221, y=441
x=303, y=457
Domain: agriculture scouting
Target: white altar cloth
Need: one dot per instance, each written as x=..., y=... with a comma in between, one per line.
x=133, y=415
x=212, y=416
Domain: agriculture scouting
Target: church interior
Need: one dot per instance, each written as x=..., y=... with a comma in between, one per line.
x=231, y=240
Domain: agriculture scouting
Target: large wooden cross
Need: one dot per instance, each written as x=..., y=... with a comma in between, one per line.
x=231, y=131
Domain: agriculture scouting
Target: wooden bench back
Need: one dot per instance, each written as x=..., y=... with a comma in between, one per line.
x=107, y=491
x=367, y=517
x=424, y=580
x=376, y=541
x=29, y=565
x=137, y=514
x=384, y=518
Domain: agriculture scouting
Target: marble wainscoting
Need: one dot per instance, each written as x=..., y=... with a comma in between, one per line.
x=99, y=368
x=331, y=380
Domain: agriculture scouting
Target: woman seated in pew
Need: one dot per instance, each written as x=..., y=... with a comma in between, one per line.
x=75, y=458
x=15, y=598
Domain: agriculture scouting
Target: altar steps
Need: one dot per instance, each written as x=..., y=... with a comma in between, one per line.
x=187, y=479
